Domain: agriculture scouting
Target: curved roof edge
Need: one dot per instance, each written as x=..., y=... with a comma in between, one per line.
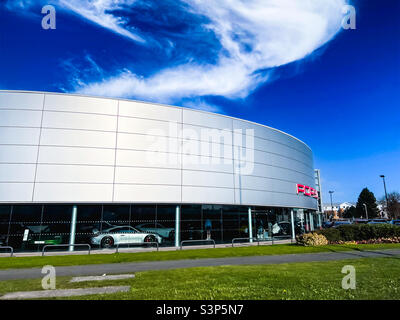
x=159, y=104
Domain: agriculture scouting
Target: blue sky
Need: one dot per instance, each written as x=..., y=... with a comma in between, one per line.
x=286, y=64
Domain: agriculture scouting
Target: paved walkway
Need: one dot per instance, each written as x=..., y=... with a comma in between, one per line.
x=117, y=268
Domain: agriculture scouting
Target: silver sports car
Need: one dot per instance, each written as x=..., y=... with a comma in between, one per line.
x=123, y=235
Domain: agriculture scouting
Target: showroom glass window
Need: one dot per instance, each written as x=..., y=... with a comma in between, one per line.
x=230, y=223
x=165, y=224
x=141, y=214
x=191, y=222
x=25, y=227
x=88, y=222
x=115, y=215
x=212, y=219
x=5, y=215
x=56, y=224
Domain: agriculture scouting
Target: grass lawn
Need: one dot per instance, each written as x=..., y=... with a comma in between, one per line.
x=31, y=262
x=376, y=278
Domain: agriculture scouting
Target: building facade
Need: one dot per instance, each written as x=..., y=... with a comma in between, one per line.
x=335, y=211
x=76, y=169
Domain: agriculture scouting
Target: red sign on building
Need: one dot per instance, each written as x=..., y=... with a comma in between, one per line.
x=307, y=191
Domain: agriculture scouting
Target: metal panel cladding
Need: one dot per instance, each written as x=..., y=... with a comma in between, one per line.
x=59, y=148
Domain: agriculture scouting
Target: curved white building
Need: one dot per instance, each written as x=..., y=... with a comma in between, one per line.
x=77, y=153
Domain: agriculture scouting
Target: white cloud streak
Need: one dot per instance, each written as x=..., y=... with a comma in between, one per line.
x=100, y=12
x=256, y=35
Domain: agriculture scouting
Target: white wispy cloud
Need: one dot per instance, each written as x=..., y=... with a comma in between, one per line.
x=201, y=104
x=255, y=35
x=18, y=4
x=101, y=12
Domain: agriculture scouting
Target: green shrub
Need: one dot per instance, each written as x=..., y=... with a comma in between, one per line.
x=360, y=232
x=387, y=231
x=331, y=234
x=348, y=232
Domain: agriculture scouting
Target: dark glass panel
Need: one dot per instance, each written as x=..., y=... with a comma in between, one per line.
x=88, y=222
x=25, y=227
x=230, y=223
x=264, y=219
x=57, y=213
x=27, y=213
x=244, y=223
x=191, y=222
x=5, y=212
x=143, y=214
x=115, y=215
x=283, y=227
x=165, y=223
x=56, y=224
x=212, y=222
x=299, y=223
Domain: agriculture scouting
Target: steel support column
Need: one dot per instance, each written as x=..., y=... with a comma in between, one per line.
x=250, y=225
x=73, y=227
x=177, y=226
x=292, y=223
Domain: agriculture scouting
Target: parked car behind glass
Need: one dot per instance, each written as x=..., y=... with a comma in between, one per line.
x=327, y=224
x=166, y=233
x=122, y=235
x=377, y=221
x=360, y=221
x=340, y=223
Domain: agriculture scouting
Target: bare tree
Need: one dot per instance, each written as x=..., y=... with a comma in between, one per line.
x=394, y=205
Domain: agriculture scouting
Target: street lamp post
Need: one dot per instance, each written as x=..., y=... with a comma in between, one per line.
x=384, y=186
x=366, y=211
x=330, y=193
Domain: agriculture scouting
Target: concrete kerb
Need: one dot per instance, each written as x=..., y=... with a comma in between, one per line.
x=102, y=278
x=63, y=293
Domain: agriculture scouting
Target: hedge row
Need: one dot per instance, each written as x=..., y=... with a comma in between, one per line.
x=359, y=232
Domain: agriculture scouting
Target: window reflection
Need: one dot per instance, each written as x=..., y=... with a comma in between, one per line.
x=25, y=227
x=30, y=227
x=56, y=224
x=88, y=222
x=191, y=222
